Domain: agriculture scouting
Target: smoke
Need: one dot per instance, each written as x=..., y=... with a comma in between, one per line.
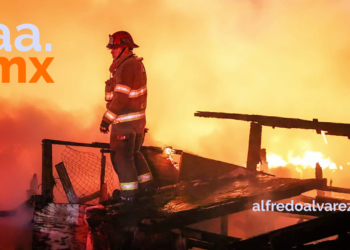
x=22, y=128
x=268, y=57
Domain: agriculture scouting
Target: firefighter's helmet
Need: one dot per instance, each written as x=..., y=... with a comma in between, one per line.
x=121, y=39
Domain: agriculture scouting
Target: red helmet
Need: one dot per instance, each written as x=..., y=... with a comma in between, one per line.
x=121, y=39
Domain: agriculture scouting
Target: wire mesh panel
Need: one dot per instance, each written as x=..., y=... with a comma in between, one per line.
x=84, y=171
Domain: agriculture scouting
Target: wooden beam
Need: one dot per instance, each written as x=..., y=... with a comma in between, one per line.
x=339, y=129
x=103, y=186
x=47, y=176
x=181, y=219
x=331, y=200
x=164, y=173
x=325, y=245
x=90, y=197
x=298, y=234
x=319, y=175
x=66, y=183
x=337, y=189
x=191, y=243
x=205, y=236
x=304, y=214
x=79, y=144
x=254, y=147
x=194, y=167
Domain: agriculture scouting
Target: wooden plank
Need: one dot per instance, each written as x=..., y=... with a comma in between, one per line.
x=193, y=202
x=264, y=166
x=298, y=234
x=200, y=235
x=164, y=173
x=331, y=200
x=339, y=129
x=337, y=189
x=194, y=167
x=103, y=186
x=233, y=205
x=47, y=176
x=254, y=147
x=319, y=175
x=66, y=183
x=194, y=243
x=78, y=144
x=304, y=214
x=325, y=245
x=90, y=197
x=103, y=168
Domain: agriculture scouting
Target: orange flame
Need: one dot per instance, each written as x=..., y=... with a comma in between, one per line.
x=170, y=153
x=324, y=136
x=309, y=159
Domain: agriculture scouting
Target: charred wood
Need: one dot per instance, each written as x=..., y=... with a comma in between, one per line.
x=337, y=189
x=90, y=197
x=299, y=234
x=192, y=202
x=66, y=183
x=164, y=173
x=47, y=176
x=340, y=129
x=204, y=236
x=193, y=167
x=254, y=146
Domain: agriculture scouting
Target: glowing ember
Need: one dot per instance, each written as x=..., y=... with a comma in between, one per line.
x=324, y=136
x=308, y=160
x=170, y=152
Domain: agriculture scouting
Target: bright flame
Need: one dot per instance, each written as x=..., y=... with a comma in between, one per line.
x=170, y=152
x=300, y=171
x=275, y=161
x=324, y=136
x=308, y=160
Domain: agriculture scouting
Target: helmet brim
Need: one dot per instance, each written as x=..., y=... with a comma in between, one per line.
x=113, y=46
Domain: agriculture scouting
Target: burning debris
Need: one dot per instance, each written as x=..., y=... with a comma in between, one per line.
x=308, y=160
x=170, y=152
x=192, y=190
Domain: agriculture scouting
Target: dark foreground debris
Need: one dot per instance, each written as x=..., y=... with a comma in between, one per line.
x=157, y=220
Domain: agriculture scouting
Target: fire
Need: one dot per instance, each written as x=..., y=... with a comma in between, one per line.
x=324, y=136
x=170, y=154
x=309, y=159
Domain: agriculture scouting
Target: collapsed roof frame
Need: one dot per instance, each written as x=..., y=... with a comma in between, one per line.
x=257, y=121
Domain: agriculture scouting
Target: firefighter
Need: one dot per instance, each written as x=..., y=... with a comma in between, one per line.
x=126, y=96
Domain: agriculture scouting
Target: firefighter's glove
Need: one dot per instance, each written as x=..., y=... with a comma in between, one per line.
x=104, y=127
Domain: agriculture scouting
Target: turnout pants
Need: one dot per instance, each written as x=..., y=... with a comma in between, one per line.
x=129, y=163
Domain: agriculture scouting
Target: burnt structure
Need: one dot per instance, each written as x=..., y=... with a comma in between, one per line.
x=257, y=121
x=202, y=189
x=161, y=221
